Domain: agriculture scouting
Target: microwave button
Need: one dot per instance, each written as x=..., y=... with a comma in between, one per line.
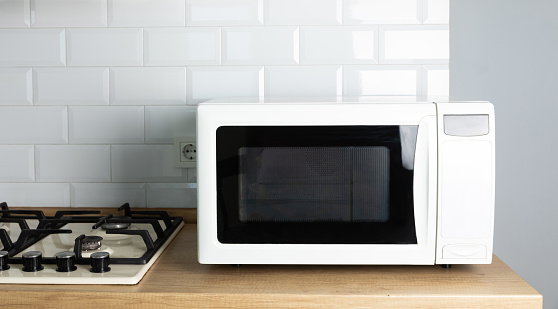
x=466, y=125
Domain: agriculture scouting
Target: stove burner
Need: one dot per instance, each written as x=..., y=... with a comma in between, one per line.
x=115, y=226
x=91, y=243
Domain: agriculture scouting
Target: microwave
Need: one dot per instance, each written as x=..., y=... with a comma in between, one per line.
x=345, y=181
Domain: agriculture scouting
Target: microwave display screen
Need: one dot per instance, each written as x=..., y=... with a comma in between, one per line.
x=316, y=184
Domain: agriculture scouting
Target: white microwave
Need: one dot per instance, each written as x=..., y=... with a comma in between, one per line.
x=345, y=181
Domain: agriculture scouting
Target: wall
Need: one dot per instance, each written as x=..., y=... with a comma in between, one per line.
x=505, y=51
x=92, y=92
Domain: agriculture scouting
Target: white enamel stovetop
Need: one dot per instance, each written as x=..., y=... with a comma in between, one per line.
x=116, y=245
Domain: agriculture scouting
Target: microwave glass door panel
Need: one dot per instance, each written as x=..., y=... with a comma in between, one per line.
x=316, y=184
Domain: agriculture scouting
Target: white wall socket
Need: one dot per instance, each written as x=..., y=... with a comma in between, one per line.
x=185, y=152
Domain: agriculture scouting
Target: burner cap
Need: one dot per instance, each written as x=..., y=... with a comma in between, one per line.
x=115, y=225
x=91, y=243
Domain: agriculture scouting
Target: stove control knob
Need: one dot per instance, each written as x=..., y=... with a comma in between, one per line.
x=32, y=261
x=4, y=260
x=100, y=262
x=65, y=261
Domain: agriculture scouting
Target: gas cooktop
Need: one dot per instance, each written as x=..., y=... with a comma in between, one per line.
x=82, y=246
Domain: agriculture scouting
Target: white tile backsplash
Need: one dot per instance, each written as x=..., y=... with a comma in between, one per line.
x=224, y=12
x=32, y=47
x=171, y=195
x=260, y=45
x=146, y=13
x=145, y=163
x=17, y=163
x=182, y=46
x=108, y=194
x=92, y=92
x=71, y=86
x=106, y=124
x=435, y=80
x=436, y=11
x=14, y=14
x=16, y=86
x=72, y=163
x=302, y=12
x=418, y=45
x=205, y=83
x=68, y=13
x=382, y=11
x=34, y=125
x=338, y=45
x=163, y=123
x=304, y=81
x=105, y=46
x=36, y=194
x=148, y=86
x=382, y=80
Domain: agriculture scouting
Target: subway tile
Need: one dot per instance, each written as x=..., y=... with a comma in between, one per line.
x=148, y=86
x=106, y=124
x=145, y=163
x=110, y=195
x=32, y=47
x=260, y=45
x=303, y=81
x=382, y=12
x=381, y=80
x=192, y=175
x=224, y=12
x=182, y=46
x=205, y=83
x=338, y=45
x=17, y=163
x=68, y=13
x=171, y=195
x=33, y=125
x=146, y=13
x=436, y=11
x=72, y=163
x=435, y=80
x=14, y=14
x=71, y=86
x=105, y=47
x=16, y=86
x=163, y=123
x=302, y=12
x=421, y=44
x=35, y=194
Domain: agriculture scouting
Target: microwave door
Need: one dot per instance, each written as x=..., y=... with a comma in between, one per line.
x=316, y=185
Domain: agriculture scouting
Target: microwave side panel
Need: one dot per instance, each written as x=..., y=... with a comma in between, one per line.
x=465, y=183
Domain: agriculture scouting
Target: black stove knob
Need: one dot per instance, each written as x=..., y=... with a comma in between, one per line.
x=32, y=261
x=4, y=260
x=100, y=262
x=65, y=261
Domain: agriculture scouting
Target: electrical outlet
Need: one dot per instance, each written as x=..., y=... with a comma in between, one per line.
x=185, y=152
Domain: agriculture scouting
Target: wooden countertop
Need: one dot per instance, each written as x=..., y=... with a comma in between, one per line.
x=177, y=280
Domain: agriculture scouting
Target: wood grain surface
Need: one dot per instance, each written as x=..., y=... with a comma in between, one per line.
x=177, y=280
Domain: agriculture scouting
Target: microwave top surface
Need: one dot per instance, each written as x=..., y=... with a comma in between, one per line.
x=329, y=100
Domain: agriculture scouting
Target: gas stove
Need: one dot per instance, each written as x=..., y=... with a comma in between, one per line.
x=82, y=246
